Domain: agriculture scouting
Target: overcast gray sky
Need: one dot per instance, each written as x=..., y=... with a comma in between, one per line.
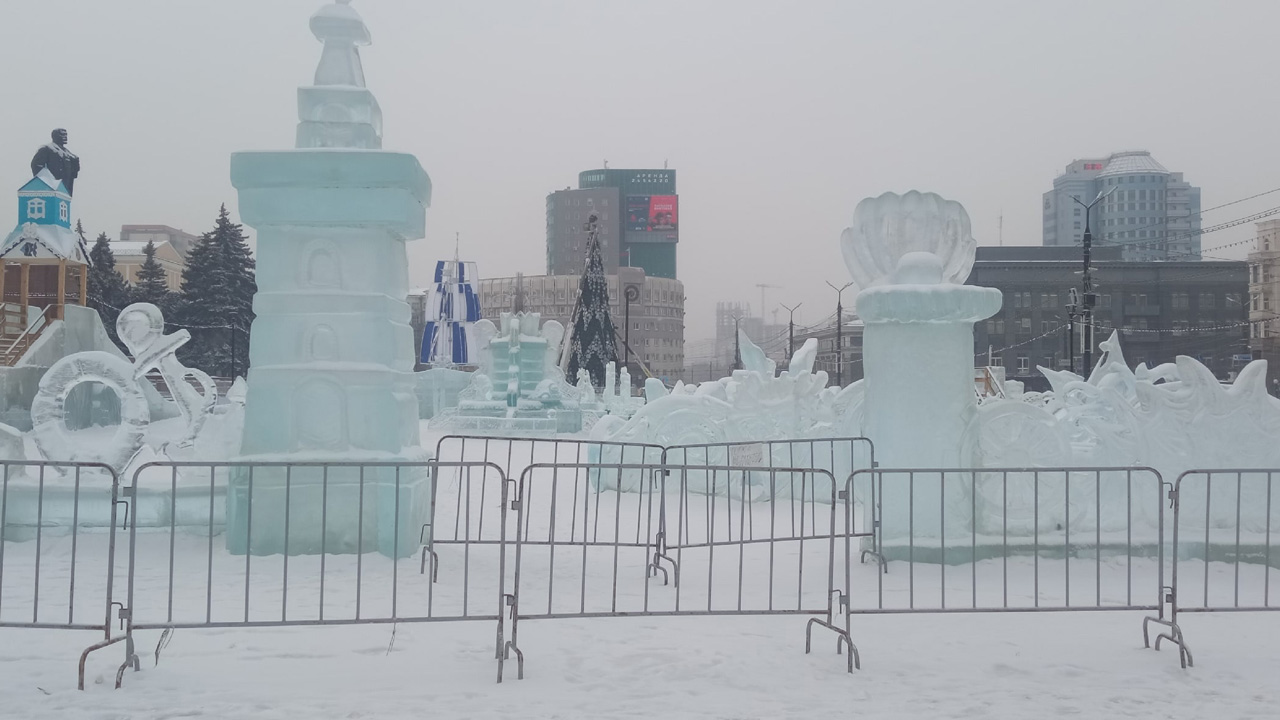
x=778, y=116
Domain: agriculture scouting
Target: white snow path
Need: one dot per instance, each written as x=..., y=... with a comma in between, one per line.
x=990, y=666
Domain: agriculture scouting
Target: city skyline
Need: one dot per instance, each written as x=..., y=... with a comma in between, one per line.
x=779, y=119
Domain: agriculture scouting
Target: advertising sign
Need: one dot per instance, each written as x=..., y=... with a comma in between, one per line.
x=652, y=213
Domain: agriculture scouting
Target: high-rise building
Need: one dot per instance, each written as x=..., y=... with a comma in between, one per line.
x=1151, y=213
x=1264, y=301
x=567, y=212
x=638, y=219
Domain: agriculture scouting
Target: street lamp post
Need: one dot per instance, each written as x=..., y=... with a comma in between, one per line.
x=791, y=329
x=737, y=347
x=629, y=294
x=839, y=331
x=1087, y=298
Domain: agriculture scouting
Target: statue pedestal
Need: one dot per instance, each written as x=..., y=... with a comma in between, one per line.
x=918, y=362
x=331, y=353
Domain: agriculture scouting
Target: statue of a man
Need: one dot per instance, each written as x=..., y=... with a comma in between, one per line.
x=62, y=163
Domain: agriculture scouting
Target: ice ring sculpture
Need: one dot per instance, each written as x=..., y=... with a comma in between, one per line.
x=141, y=327
x=48, y=410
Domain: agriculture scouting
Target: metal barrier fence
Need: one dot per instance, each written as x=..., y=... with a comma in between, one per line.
x=282, y=553
x=584, y=533
x=1031, y=539
x=733, y=553
x=1225, y=526
x=58, y=531
x=514, y=454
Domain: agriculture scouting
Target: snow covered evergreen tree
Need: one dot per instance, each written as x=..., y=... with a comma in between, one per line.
x=593, y=343
x=107, y=290
x=152, y=287
x=217, y=300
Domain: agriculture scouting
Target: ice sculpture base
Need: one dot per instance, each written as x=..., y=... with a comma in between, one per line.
x=918, y=359
x=308, y=510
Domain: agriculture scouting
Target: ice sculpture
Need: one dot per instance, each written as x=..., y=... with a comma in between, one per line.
x=338, y=111
x=331, y=347
x=48, y=410
x=1174, y=417
x=752, y=404
x=141, y=327
x=519, y=387
x=910, y=253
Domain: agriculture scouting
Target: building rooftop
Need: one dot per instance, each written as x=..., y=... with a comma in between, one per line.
x=127, y=247
x=1134, y=161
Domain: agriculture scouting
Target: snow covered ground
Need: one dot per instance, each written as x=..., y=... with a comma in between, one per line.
x=984, y=666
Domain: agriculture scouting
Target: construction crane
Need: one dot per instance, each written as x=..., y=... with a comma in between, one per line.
x=763, y=287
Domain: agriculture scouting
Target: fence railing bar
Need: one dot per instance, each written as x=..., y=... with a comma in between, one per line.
x=35, y=593
x=75, y=536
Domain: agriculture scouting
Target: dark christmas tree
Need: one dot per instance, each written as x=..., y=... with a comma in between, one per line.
x=217, y=300
x=593, y=342
x=107, y=290
x=152, y=286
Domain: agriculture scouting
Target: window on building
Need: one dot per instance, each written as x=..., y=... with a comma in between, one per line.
x=35, y=208
x=1024, y=364
x=1046, y=327
x=1025, y=325
x=1207, y=301
x=997, y=361
x=63, y=210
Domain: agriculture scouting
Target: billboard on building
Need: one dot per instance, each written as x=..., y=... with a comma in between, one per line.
x=652, y=213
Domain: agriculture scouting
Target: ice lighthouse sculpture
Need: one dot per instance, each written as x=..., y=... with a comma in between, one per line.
x=331, y=346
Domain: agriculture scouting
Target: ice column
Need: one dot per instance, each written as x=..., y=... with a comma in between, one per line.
x=909, y=255
x=331, y=348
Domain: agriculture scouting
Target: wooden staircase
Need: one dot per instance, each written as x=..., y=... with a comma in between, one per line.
x=16, y=334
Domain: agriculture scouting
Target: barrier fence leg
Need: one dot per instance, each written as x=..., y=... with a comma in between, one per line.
x=1169, y=593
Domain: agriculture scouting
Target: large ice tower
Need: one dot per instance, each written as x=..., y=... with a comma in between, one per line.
x=331, y=347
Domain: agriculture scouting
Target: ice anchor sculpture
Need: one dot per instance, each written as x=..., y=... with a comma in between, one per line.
x=141, y=327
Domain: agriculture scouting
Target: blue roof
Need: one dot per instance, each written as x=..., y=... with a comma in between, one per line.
x=44, y=182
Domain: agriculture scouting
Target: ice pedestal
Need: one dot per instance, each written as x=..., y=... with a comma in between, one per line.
x=341, y=509
x=910, y=255
x=918, y=363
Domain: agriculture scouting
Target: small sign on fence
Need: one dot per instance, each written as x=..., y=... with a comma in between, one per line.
x=749, y=455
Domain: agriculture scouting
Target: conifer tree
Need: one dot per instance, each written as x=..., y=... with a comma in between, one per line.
x=107, y=290
x=593, y=344
x=217, y=300
x=152, y=286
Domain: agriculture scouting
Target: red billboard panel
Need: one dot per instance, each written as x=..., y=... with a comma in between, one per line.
x=652, y=213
